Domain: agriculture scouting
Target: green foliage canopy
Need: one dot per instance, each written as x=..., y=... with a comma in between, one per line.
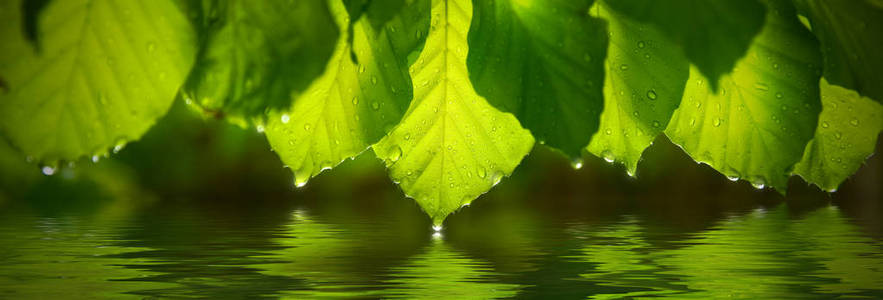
x=451, y=94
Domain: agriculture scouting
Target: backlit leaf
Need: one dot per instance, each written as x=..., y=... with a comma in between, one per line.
x=543, y=61
x=645, y=80
x=351, y=106
x=845, y=137
x=105, y=70
x=757, y=124
x=851, y=34
x=714, y=34
x=451, y=146
x=256, y=54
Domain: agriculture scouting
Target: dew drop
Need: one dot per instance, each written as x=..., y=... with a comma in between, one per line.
x=482, y=172
x=260, y=128
x=825, y=124
x=761, y=86
x=854, y=122
x=651, y=94
x=607, y=155
x=307, y=126
x=395, y=154
x=48, y=171
x=759, y=184
x=624, y=67
x=118, y=147
x=300, y=184
x=95, y=158
x=717, y=122
x=608, y=131
x=407, y=136
x=355, y=100
x=838, y=135
x=285, y=118
x=375, y=105
x=577, y=163
x=641, y=44
x=779, y=95
x=362, y=68
x=373, y=79
x=656, y=124
x=436, y=228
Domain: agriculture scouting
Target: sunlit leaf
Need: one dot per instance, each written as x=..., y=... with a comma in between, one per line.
x=758, y=122
x=714, y=34
x=451, y=146
x=845, y=137
x=104, y=72
x=851, y=34
x=644, y=83
x=544, y=62
x=351, y=106
x=256, y=54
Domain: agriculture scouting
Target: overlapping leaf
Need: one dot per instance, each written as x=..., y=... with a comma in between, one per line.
x=351, y=106
x=452, y=145
x=759, y=121
x=845, y=137
x=378, y=12
x=644, y=83
x=104, y=71
x=256, y=54
x=713, y=34
x=851, y=34
x=544, y=62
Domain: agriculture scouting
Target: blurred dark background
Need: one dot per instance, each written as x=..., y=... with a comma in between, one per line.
x=208, y=165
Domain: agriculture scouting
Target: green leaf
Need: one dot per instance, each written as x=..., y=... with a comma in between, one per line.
x=713, y=34
x=845, y=137
x=257, y=54
x=851, y=34
x=104, y=72
x=757, y=124
x=544, y=62
x=451, y=146
x=645, y=80
x=351, y=106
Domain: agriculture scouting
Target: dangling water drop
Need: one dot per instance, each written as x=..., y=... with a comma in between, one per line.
x=48, y=171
